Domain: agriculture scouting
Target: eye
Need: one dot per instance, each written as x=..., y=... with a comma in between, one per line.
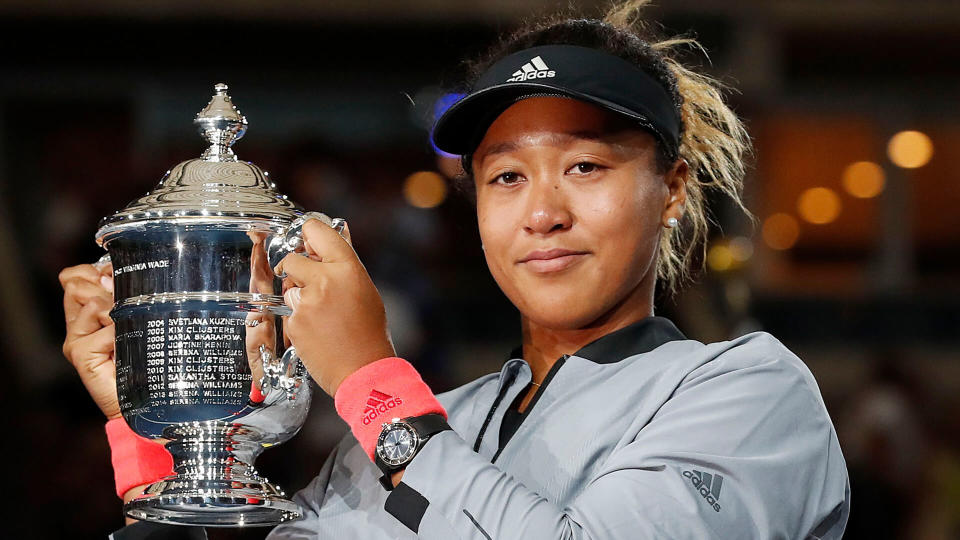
x=584, y=167
x=508, y=178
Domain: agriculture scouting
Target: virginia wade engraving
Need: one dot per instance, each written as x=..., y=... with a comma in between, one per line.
x=163, y=263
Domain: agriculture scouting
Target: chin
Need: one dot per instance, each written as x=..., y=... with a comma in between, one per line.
x=560, y=313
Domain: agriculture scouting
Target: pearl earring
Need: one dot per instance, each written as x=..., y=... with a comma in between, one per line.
x=672, y=223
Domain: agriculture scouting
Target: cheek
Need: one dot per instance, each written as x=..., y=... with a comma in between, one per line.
x=623, y=224
x=498, y=226
x=617, y=215
x=494, y=237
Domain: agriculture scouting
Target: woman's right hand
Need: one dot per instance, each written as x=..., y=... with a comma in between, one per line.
x=89, y=345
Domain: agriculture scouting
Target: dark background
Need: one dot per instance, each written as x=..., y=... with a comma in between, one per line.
x=96, y=102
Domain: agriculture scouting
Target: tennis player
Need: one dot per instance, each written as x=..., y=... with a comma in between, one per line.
x=590, y=151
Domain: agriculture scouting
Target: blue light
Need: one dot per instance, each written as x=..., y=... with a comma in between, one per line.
x=443, y=103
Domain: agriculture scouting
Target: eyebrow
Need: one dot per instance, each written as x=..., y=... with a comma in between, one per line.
x=554, y=138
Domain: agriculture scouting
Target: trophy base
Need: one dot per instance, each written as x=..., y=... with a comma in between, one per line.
x=212, y=503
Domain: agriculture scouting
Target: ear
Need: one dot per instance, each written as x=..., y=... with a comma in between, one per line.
x=675, y=181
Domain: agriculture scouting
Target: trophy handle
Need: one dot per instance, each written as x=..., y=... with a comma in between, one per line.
x=281, y=373
x=290, y=240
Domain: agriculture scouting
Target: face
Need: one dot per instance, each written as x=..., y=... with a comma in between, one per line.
x=570, y=210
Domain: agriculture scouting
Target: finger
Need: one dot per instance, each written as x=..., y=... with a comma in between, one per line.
x=261, y=275
x=327, y=242
x=88, y=272
x=261, y=331
x=298, y=269
x=92, y=352
x=106, y=273
x=292, y=298
x=310, y=252
x=91, y=318
x=78, y=292
x=101, y=342
x=314, y=254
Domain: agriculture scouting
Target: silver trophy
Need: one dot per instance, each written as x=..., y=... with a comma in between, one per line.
x=200, y=353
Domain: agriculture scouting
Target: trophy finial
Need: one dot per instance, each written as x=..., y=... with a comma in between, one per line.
x=221, y=124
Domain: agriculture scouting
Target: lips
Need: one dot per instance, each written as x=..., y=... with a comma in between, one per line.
x=551, y=260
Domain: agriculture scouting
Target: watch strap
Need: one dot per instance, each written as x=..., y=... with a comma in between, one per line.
x=428, y=425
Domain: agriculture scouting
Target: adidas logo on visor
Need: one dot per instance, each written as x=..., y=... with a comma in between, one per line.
x=534, y=69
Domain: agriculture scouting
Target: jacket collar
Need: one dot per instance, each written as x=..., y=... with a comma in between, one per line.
x=640, y=337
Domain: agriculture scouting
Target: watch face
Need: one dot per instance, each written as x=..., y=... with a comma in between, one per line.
x=397, y=444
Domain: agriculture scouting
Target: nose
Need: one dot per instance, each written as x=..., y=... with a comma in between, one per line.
x=547, y=208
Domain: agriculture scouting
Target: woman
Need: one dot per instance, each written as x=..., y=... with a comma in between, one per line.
x=588, y=148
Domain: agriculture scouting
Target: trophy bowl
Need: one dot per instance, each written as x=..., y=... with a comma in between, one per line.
x=202, y=363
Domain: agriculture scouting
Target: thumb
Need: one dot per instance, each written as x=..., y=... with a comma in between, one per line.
x=327, y=242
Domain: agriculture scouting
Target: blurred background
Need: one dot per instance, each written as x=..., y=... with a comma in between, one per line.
x=853, y=260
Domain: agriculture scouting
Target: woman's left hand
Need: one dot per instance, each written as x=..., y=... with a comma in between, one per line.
x=338, y=323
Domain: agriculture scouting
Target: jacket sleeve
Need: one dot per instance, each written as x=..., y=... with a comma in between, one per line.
x=345, y=500
x=309, y=499
x=739, y=451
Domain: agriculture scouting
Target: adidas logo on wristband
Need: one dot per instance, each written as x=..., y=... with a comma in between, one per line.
x=378, y=403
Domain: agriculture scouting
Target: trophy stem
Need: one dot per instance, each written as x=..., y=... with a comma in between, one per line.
x=214, y=483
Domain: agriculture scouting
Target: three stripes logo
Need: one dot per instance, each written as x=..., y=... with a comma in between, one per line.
x=534, y=69
x=708, y=486
x=377, y=403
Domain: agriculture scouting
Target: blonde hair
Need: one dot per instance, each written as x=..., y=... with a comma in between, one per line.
x=714, y=144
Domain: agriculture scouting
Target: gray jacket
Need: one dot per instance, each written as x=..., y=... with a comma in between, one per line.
x=641, y=434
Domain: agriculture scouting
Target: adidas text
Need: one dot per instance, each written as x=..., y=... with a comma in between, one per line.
x=533, y=75
x=702, y=482
x=534, y=69
x=376, y=407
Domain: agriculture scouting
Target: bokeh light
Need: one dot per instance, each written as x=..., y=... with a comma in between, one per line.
x=819, y=205
x=719, y=258
x=863, y=179
x=741, y=249
x=425, y=189
x=910, y=149
x=781, y=231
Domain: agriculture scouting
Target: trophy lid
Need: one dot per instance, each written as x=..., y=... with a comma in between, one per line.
x=215, y=188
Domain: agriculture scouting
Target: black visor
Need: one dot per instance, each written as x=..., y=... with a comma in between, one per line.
x=581, y=73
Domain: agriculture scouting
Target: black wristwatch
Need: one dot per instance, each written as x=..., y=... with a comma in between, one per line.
x=401, y=440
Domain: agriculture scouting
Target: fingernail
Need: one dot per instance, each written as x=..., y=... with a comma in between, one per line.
x=107, y=283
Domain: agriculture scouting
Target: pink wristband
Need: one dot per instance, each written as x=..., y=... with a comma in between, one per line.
x=136, y=460
x=379, y=392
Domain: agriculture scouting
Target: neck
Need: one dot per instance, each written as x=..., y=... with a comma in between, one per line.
x=544, y=345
